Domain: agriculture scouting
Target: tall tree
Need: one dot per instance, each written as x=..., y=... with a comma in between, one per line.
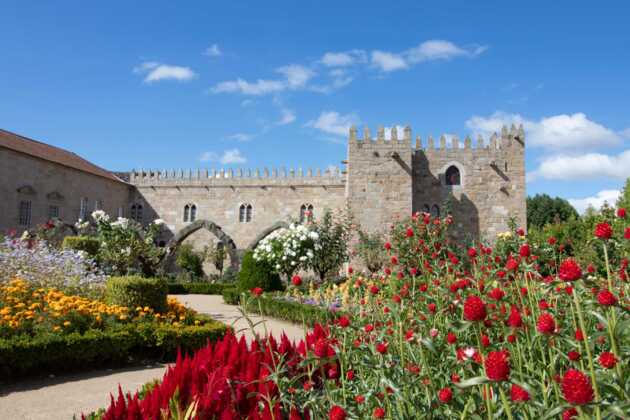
x=624, y=197
x=543, y=210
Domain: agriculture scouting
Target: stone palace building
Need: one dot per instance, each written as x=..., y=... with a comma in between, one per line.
x=385, y=178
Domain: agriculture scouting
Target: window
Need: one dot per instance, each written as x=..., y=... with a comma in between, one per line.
x=53, y=212
x=435, y=211
x=98, y=205
x=83, y=208
x=136, y=212
x=186, y=213
x=245, y=212
x=306, y=213
x=121, y=212
x=25, y=213
x=193, y=213
x=452, y=176
x=190, y=212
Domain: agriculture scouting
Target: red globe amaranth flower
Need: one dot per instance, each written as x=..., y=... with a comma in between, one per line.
x=336, y=413
x=515, y=320
x=431, y=307
x=445, y=395
x=350, y=270
x=520, y=232
x=382, y=347
x=256, y=291
x=485, y=340
x=626, y=233
x=524, y=251
x=496, y=293
x=374, y=290
x=579, y=335
x=576, y=387
x=378, y=413
x=574, y=356
x=360, y=399
x=569, y=414
x=603, y=231
x=570, y=270
x=388, y=246
x=606, y=298
x=296, y=280
x=552, y=240
x=474, y=309
x=409, y=233
x=451, y=338
x=621, y=213
x=607, y=360
x=472, y=252
x=518, y=394
x=343, y=321
x=511, y=264
x=546, y=324
x=497, y=365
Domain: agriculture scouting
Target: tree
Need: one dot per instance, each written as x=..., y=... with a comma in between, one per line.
x=189, y=260
x=371, y=250
x=216, y=255
x=624, y=197
x=334, y=233
x=543, y=210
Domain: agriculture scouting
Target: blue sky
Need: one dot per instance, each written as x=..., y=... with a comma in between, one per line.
x=166, y=84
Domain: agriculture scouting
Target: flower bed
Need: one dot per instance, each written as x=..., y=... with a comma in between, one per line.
x=44, y=329
x=443, y=332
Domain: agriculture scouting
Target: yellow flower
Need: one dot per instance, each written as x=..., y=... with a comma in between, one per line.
x=66, y=323
x=197, y=322
x=56, y=328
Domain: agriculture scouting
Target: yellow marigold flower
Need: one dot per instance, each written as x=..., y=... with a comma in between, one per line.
x=66, y=323
x=122, y=317
x=56, y=328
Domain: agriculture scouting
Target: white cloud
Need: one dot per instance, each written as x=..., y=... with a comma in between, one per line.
x=213, y=51
x=344, y=59
x=260, y=87
x=288, y=116
x=596, y=201
x=241, y=137
x=232, y=156
x=331, y=122
x=586, y=166
x=558, y=132
x=387, y=61
x=432, y=50
x=297, y=76
x=156, y=71
x=625, y=133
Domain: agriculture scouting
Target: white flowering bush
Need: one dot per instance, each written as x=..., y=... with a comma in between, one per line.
x=287, y=250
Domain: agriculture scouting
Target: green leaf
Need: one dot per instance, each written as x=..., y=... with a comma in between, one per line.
x=554, y=412
x=600, y=317
x=477, y=380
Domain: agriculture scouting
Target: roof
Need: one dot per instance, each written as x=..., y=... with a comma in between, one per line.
x=53, y=154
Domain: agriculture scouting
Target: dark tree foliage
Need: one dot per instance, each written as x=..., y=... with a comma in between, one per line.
x=543, y=209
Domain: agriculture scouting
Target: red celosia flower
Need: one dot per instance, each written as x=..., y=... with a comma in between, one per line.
x=496, y=293
x=607, y=360
x=378, y=413
x=336, y=413
x=296, y=280
x=518, y=394
x=445, y=395
x=524, y=251
x=574, y=356
x=576, y=387
x=546, y=323
x=570, y=270
x=323, y=348
x=474, y=309
x=621, y=213
x=606, y=298
x=497, y=366
x=603, y=231
x=257, y=291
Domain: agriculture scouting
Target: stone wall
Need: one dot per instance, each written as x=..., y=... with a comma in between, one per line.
x=45, y=184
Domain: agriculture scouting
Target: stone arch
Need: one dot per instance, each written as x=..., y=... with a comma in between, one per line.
x=185, y=232
x=462, y=174
x=262, y=235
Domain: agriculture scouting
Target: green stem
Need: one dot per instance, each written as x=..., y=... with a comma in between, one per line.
x=506, y=405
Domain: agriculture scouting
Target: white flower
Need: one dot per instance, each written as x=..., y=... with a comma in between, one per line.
x=158, y=222
x=100, y=215
x=121, y=222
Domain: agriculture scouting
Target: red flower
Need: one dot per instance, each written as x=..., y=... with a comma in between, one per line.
x=451, y=338
x=570, y=270
x=374, y=290
x=621, y=213
x=485, y=340
x=569, y=414
x=343, y=321
x=579, y=335
x=394, y=260
x=518, y=394
x=350, y=270
x=576, y=387
x=511, y=264
x=337, y=413
x=431, y=307
x=388, y=246
x=445, y=395
x=496, y=293
x=520, y=232
x=359, y=399
x=607, y=360
x=474, y=309
x=515, y=320
x=472, y=252
x=382, y=347
x=256, y=291
x=524, y=251
x=409, y=232
x=546, y=324
x=378, y=413
x=606, y=298
x=603, y=231
x=626, y=233
x=497, y=366
x=574, y=356
x=296, y=280
x=552, y=240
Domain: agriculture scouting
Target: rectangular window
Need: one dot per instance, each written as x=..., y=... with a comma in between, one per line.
x=83, y=208
x=25, y=213
x=121, y=212
x=53, y=212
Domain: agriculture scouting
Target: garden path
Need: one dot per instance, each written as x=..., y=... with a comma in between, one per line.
x=61, y=397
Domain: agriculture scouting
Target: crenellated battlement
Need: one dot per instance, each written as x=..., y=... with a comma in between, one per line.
x=507, y=138
x=233, y=177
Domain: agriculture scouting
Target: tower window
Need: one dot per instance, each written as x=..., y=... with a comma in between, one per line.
x=453, y=176
x=25, y=213
x=306, y=213
x=136, y=212
x=186, y=213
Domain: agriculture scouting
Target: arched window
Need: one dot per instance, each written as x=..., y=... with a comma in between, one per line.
x=427, y=209
x=186, y=213
x=245, y=212
x=452, y=176
x=306, y=213
x=193, y=212
x=136, y=212
x=435, y=211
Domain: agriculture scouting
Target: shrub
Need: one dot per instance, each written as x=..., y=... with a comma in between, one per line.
x=257, y=274
x=189, y=260
x=294, y=312
x=231, y=295
x=134, y=291
x=196, y=288
x=86, y=244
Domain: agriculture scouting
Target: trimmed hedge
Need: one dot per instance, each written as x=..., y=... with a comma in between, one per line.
x=82, y=243
x=134, y=291
x=257, y=274
x=24, y=355
x=196, y=288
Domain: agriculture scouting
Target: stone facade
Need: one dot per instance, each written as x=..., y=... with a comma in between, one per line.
x=49, y=188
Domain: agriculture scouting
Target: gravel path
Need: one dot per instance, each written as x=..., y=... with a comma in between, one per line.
x=61, y=397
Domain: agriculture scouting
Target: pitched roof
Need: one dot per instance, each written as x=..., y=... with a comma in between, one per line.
x=53, y=154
